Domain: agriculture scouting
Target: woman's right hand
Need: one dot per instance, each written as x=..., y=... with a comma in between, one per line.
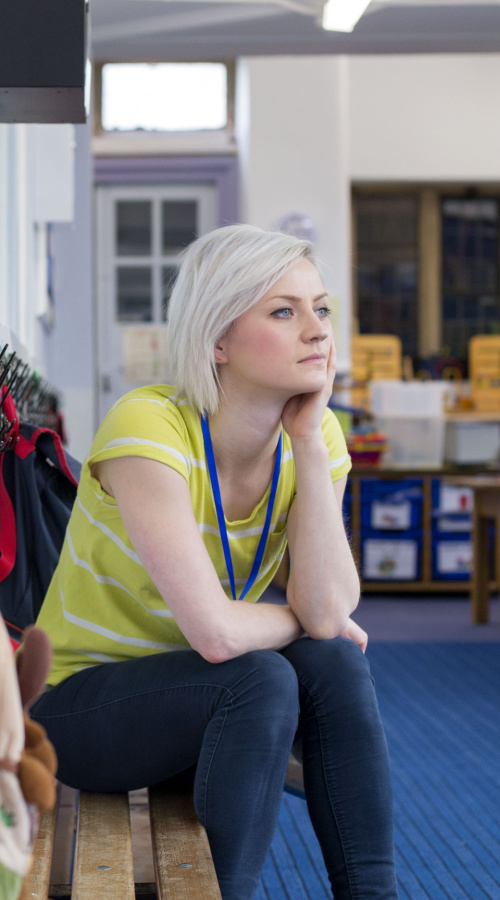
x=355, y=633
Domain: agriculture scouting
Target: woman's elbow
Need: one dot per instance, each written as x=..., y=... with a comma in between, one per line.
x=215, y=649
x=332, y=625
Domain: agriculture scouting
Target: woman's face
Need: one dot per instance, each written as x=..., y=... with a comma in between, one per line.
x=283, y=342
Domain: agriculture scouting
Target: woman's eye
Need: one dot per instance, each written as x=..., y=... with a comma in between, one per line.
x=283, y=313
x=324, y=311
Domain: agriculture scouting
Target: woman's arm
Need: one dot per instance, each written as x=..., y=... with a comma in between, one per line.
x=323, y=587
x=155, y=504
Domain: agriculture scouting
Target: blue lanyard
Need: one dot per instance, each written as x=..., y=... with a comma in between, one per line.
x=212, y=471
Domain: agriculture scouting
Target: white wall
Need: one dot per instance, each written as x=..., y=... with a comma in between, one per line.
x=70, y=349
x=37, y=182
x=292, y=128
x=424, y=117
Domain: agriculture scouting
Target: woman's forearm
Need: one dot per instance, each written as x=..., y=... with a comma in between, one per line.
x=255, y=626
x=324, y=584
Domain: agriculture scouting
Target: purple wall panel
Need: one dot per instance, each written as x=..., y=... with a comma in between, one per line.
x=222, y=171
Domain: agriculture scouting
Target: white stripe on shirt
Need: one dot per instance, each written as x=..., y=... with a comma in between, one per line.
x=107, y=531
x=107, y=579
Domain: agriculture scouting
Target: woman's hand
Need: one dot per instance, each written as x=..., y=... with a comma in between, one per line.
x=303, y=414
x=356, y=634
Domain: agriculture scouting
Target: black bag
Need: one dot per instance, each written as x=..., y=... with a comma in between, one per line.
x=38, y=484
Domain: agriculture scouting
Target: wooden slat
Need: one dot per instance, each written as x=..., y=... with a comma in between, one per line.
x=294, y=779
x=36, y=885
x=183, y=862
x=103, y=860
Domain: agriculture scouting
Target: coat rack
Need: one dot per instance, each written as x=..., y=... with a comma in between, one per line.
x=24, y=396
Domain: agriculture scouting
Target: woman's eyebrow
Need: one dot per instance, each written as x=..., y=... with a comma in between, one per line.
x=292, y=299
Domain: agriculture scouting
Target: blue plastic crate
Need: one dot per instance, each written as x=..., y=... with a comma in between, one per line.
x=394, y=505
x=450, y=498
x=451, y=523
x=452, y=557
x=391, y=556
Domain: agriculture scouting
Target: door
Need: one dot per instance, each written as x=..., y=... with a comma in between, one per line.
x=141, y=232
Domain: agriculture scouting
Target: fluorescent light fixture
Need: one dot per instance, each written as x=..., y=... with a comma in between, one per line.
x=342, y=15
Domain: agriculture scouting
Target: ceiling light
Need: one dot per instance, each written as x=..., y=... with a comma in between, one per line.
x=342, y=15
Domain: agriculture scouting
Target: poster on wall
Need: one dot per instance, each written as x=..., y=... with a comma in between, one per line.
x=144, y=354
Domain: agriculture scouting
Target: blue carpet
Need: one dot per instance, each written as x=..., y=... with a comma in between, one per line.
x=440, y=704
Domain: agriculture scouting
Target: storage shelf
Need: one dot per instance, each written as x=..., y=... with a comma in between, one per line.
x=425, y=582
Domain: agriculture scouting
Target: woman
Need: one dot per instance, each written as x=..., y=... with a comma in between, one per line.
x=187, y=500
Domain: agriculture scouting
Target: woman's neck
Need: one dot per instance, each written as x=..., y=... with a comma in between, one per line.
x=245, y=432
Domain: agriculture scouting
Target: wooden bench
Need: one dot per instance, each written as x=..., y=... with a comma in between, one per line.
x=103, y=866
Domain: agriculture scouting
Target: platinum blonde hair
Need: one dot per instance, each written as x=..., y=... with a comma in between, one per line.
x=222, y=275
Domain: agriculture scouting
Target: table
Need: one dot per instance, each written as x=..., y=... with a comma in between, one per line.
x=486, y=507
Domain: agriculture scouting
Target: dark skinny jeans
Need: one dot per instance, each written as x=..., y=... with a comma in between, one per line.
x=123, y=726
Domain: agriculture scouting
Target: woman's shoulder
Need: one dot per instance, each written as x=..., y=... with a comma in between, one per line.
x=147, y=407
x=150, y=421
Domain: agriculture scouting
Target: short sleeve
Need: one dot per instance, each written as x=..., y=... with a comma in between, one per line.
x=144, y=425
x=340, y=461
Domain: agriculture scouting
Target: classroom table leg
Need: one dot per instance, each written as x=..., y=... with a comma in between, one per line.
x=480, y=571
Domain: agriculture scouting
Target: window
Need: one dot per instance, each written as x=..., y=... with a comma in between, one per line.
x=470, y=303
x=387, y=230
x=427, y=265
x=164, y=98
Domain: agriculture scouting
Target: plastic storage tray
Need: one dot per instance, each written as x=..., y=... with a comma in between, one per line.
x=391, y=505
x=452, y=557
x=397, y=557
x=413, y=440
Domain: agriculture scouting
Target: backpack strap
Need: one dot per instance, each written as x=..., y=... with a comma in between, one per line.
x=8, y=541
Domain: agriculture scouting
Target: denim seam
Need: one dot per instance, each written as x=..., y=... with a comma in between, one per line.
x=337, y=815
x=90, y=709
x=212, y=755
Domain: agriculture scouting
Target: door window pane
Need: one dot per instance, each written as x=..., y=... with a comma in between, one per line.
x=179, y=224
x=470, y=230
x=134, y=294
x=169, y=274
x=133, y=228
x=388, y=267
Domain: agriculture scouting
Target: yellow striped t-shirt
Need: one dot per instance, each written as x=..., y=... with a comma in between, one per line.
x=101, y=605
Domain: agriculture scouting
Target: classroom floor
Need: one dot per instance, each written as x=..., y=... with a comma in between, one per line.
x=401, y=620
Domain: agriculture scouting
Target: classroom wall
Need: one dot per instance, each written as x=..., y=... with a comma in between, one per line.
x=38, y=181
x=424, y=117
x=292, y=121
x=69, y=350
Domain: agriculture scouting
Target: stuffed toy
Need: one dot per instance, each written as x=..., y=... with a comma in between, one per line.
x=27, y=759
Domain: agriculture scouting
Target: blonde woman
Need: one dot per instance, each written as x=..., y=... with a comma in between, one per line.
x=163, y=659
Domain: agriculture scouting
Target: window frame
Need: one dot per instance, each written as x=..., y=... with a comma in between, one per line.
x=220, y=140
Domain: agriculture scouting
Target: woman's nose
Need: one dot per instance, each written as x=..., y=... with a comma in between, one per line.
x=315, y=328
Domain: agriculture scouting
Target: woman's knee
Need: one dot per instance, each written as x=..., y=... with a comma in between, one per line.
x=269, y=682
x=338, y=664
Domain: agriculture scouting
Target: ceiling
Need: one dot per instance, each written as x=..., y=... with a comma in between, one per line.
x=204, y=29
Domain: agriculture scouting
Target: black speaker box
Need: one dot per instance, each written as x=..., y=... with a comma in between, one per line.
x=42, y=60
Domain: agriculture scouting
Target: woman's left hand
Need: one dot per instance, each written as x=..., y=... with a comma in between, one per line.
x=303, y=414
x=356, y=634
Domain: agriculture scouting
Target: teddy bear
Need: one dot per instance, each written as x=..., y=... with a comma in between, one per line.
x=27, y=758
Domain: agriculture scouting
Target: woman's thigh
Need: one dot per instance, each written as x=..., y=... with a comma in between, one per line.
x=121, y=726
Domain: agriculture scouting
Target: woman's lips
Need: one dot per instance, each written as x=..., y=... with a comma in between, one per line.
x=314, y=358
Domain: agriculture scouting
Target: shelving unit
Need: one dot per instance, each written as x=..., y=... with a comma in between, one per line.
x=425, y=533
